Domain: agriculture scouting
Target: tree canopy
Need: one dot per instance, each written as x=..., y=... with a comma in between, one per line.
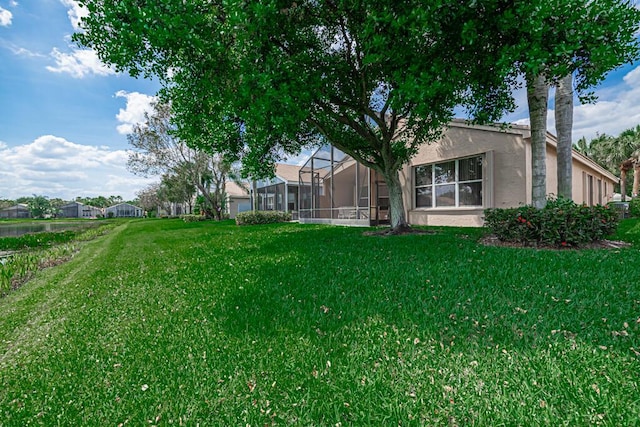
x=375, y=78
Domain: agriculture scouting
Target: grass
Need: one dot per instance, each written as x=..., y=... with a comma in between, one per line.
x=30, y=252
x=169, y=323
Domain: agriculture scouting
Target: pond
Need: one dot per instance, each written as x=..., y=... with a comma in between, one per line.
x=20, y=228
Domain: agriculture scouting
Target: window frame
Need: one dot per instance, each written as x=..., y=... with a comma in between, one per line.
x=433, y=185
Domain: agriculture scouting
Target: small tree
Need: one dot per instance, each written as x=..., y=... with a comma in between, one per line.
x=40, y=206
x=157, y=149
x=148, y=198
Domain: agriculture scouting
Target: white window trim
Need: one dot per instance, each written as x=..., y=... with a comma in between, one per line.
x=456, y=183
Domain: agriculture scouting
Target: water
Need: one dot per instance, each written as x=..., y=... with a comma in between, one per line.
x=18, y=229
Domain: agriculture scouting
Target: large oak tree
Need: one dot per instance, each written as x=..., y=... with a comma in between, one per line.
x=374, y=78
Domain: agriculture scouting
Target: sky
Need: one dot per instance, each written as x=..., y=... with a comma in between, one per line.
x=65, y=116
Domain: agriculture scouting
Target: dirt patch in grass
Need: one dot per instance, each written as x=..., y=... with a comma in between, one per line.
x=402, y=232
x=600, y=244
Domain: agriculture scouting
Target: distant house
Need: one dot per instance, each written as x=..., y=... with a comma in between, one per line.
x=238, y=199
x=284, y=192
x=79, y=210
x=18, y=211
x=124, y=210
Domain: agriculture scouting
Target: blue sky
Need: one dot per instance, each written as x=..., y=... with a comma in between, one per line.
x=64, y=116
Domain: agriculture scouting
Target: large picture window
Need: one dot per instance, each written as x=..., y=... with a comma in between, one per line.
x=449, y=184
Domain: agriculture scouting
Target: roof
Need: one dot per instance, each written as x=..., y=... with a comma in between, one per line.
x=552, y=141
x=127, y=204
x=288, y=173
x=19, y=206
x=234, y=190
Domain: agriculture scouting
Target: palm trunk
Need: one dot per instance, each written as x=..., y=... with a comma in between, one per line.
x=538, y=96
x=623, y=184
x=564, y=127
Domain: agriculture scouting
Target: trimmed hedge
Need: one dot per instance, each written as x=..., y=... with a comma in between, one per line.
x=262, y=217
x=560, y=223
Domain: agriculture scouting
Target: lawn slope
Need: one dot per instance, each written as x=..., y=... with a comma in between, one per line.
x=166, y=323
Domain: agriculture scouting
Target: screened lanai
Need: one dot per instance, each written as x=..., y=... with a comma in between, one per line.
x=340, y=190
x=280, y=193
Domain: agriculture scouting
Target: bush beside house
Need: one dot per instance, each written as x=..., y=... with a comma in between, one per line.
x=560, y=223
x=262, y=217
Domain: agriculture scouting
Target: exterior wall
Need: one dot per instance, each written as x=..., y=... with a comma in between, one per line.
x=504, y=172
x=592, y=185
x=237, y=204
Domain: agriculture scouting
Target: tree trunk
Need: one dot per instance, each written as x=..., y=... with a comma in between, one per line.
x=537, y=96
x=623, y=183
x=254, y=187
x=564, y=127
x=397, y=214
x=636, y=179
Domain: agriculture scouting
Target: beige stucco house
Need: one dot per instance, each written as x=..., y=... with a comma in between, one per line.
x=238, y=199
x=450, y=182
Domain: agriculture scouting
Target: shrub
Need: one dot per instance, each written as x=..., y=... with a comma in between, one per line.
x=193, y=218
x=560, y=223
x=262, y=217
x=634, y=207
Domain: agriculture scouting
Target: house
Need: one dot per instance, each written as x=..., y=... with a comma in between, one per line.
x=79, y=210
x=450, y=182
x=17, y=211
x=124, y=210
x=238, y=199
x=283, y=192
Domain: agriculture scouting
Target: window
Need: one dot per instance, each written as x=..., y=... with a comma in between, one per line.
x=449, y=184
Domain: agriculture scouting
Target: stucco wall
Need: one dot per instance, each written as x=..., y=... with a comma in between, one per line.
x=504, y=172
x=581, y=171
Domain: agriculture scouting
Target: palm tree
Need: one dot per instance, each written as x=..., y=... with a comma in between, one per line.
x=538, y=97
x=583, y=147
x=621, y=153
x=564, y=126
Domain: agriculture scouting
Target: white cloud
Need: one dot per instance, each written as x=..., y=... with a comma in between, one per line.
x=20, y=51
x=5, y=17
x=55, y=167
x=75, y=12
x=79, y=63
x=300, y=159
x=137, y=105
x=617, y=109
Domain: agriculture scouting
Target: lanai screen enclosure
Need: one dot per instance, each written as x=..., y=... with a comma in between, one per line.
x=340, y=190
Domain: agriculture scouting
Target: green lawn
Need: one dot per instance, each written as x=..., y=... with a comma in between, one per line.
x=166, y=323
